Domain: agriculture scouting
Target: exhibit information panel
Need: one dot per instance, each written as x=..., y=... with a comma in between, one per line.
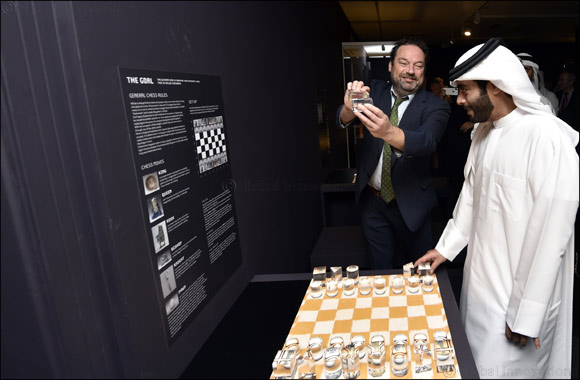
x=178, y=130
x=384, y=326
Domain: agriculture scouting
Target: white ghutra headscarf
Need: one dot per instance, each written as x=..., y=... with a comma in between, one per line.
x=496, y=63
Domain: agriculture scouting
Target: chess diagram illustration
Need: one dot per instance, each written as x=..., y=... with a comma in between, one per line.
x=210, y=142
x=399, y=335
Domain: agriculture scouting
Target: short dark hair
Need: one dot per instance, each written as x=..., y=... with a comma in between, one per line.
x=410, y=41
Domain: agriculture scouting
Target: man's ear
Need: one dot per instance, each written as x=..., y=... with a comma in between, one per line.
x=492, y=88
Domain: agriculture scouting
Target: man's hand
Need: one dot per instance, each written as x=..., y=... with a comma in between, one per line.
x=375, y=120
x=354, y=86
x=432, y=256
x=519, y=339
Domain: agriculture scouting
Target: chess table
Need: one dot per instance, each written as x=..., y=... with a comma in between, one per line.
x=387, y=315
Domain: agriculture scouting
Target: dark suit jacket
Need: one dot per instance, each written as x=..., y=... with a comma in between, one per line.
x=423, y=123
x=572, y=113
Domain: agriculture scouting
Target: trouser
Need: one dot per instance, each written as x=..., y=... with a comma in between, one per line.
x=390, y=242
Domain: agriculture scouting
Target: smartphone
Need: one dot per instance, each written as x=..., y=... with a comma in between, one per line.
x=451, y=91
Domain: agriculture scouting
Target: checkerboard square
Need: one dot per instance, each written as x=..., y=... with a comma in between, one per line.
x=398, y=301
x=362, y=303
x=362, y=313
x=307, y=316
x=436, y=322
x=311, y=304
x=431, y=299
x=433, y=309
x=361, y=325
x=414, y=300
x=343, y=326
x=380, y=312
x=329, y=304
x=398, y=324
x=326, y=315
x=415, y=323
x=347, y=303
x=379, y=324
x=416, y=311
x=380, y=302
x=303, y=328
x=398, y=312
x=324, y=327
x=344, y=314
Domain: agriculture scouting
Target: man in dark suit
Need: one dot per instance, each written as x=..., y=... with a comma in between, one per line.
x=568, y=97
x=397, y=230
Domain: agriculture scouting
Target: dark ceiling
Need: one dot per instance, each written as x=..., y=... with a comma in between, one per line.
x=442, y=22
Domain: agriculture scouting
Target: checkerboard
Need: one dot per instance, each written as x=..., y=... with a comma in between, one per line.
x=367, y=315
x=210, y=146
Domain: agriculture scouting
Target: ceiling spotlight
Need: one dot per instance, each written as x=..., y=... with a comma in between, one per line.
x=467, y=32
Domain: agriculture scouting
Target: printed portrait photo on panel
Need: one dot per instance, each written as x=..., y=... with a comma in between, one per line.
x=160, y=238
x=155, y=207
x=163, y=259
x=150, y=182
x=167, y=278
x=171, y=303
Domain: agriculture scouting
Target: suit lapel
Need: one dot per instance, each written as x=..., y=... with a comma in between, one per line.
x=411, y=114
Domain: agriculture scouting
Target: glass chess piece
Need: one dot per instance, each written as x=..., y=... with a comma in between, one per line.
x=408, y=270
x=420, y=349
x=316, y=289
x=307, y=368
x=350, y=362
x=428, y=283
x=284, y=364
x=444, y=352
x=397, y=284
x=364, y=286
x=336, y=341
x=399, y=358
x=336, y=275
x=315, y=348
x=332, y=363
x=319, y=274
x=380, y=285
x=376, y=358
x=413, y=286
x=359, y=343
x=352, y=272
x=348, y=287
x=331, y=288
x=357, y=98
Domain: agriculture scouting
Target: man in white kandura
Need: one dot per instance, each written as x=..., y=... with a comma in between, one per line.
x=516, y=213
x=537, y=77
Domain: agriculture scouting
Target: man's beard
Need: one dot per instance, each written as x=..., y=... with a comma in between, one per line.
x=481, y=109
x=403, y=88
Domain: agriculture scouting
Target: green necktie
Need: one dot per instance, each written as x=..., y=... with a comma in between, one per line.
x=387, y=192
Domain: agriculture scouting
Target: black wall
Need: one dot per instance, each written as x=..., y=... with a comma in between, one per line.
x=78, y=297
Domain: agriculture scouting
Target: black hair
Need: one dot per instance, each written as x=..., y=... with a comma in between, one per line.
x=410, y=41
